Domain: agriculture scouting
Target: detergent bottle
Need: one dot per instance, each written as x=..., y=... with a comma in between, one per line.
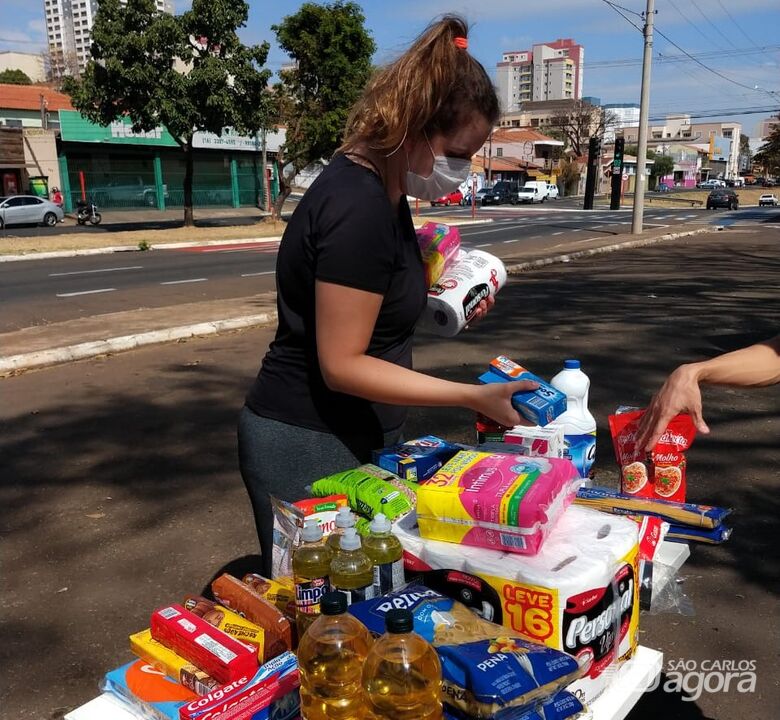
x=579, y=426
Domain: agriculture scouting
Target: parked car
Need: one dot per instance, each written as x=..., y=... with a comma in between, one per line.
x=711, y=184
x=663, y=188
x=29, y=210
x=502, y=192
x=453, y=198
x=552, y=191
x=127, y=193
x=768, y=183
x=767, y=199
x=722, y=198
x=533, y=192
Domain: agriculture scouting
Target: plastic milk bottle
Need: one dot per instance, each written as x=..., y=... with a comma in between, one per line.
x=579, y=426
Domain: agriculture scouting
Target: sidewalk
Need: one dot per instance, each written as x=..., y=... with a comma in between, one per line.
x=45, y=345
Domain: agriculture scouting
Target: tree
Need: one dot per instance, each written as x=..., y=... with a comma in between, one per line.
x=768, y=155
x=569, y=174
x=663, y=165
x=59, y=64
x=331, y=50
x=579, y=123
x=15, y=77
x=133, y=73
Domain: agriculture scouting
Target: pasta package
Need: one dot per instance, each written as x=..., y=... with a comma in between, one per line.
x=498, y=501
x=662, y=474
x=563, y=706
x=486, y=671
x=370, y=490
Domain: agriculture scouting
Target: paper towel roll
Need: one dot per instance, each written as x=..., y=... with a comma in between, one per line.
x=454, y=299
x=594, y=532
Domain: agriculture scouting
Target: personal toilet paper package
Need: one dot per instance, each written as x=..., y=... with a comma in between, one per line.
x=498, y=501
x=579, y=594
x=439, y=247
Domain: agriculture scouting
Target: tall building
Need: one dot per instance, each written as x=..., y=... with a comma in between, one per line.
x=549, y=71
x=622, y=115
x=69, y=31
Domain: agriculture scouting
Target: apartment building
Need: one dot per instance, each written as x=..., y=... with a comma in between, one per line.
x=549, y=71
x=622, y=115
x=31, y=64
x=69, y=31
x=722, y=139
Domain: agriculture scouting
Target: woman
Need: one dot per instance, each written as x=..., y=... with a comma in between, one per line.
x=337, y=379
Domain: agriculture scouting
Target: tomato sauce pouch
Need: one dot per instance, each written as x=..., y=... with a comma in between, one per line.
x=660, y=473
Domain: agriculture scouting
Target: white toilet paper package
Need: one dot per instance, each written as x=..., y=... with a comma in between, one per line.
x=486, y=672
x=579, y=594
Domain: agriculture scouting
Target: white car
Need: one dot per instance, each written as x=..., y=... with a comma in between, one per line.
x=533, y=191
x=552, y=191
x=712, y=184
x=767, y=199
x=29, y=210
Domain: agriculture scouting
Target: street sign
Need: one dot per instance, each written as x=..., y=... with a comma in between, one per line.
x=625, y=176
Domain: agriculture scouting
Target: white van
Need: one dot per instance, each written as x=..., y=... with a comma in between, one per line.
x=533, y=191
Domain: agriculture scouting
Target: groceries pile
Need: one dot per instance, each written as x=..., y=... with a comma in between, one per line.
x=441, y=580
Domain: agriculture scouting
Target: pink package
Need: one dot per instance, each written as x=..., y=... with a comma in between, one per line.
x=439, y=246
x=499, y=501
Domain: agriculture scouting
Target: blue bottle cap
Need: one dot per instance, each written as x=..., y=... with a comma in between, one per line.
x=571, y=364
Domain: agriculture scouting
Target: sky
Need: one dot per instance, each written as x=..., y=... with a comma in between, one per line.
x=739, y=40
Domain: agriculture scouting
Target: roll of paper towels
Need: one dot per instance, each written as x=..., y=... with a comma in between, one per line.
x=455, y=298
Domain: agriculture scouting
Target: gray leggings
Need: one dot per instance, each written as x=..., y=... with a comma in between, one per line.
x=281, y=460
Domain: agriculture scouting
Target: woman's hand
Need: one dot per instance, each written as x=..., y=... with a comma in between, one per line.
x=484, y=307
x=680, y=393
x=495, y=401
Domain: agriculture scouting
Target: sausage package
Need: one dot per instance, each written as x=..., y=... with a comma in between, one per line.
x=229, y=622
x=245, y=600
x=189, y=636
x=662, y=475
x=486, y=670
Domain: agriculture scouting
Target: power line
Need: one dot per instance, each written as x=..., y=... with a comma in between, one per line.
x=738, y=26
x=688, y=20
x=707, y=55
x=712, y=25
x=619, y=10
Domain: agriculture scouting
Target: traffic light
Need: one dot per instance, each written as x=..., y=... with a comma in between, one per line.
x=617, y=162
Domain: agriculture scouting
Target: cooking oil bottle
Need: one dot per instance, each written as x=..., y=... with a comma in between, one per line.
x=402, y=674
x=386, y=552
x=344, y=518
x=351, y=571
x=330, y=657
x=311, y=566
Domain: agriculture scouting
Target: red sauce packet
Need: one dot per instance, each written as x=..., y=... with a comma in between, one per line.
x=661, y=473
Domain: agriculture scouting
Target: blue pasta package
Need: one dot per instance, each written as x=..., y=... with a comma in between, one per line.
x=485, y=671
x=562, y=706
x=415, y=459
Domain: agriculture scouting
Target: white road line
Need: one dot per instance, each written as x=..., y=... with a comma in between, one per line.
x=267, y=272
x=576, y=230
x=681, y=217
x=506, y=242
x=463, y=233
x=86, y=292
x=483, y=245
x=180, y=282
x=558, y=233
x=88, y=272
x=596, y=227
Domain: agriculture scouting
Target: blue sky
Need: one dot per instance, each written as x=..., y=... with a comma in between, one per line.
x=697, y=26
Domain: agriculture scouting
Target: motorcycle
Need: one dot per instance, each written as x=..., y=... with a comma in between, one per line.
x=87, y=212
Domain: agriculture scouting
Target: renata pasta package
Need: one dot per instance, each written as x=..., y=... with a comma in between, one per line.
x=660, y=473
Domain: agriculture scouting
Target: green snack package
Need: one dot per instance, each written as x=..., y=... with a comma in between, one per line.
x=370, y=490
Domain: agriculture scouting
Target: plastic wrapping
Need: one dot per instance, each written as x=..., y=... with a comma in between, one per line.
x=503, y=502
x=439, y=247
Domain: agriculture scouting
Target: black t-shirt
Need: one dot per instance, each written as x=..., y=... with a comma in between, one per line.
x=344, y=231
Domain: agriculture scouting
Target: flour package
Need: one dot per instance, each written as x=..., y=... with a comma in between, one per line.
x=579, y=594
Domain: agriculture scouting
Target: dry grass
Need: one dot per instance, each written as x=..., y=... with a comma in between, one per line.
x=132, y=238
x=747, y=196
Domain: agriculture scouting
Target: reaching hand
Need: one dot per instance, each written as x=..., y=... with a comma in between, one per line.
x=495, y=401
x=680, y=393
x=484, y=307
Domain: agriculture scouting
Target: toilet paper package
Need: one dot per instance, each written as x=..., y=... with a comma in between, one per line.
x=439, y=247
x=504, y=502
x=454, y=299
x=579, y=594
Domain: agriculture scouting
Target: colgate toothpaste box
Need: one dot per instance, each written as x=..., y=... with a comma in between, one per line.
x=270, y=694
x=540, y=406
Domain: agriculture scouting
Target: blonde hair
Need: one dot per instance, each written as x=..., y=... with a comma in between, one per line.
x=432, y=87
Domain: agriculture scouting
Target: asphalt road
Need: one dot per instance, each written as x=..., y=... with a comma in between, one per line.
x=35, y=292
x=120, y=489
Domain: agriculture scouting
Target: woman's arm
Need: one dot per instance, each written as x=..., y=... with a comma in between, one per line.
x=753, y=366
x=345, y=319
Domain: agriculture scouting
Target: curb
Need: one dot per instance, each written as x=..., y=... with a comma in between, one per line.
x=578, y=254
x=82, y=351
x=56, y=356
x=54, y=254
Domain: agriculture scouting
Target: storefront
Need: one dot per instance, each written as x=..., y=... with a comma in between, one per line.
x=119, y=168
x=11, y=161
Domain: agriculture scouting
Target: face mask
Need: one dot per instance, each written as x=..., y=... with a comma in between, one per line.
x=447, y=175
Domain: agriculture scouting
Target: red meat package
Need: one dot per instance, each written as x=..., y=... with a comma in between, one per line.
x=208, y=648
x=661, y=473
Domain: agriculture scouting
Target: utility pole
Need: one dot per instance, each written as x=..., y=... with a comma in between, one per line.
x=490, y=161
x=644, y=112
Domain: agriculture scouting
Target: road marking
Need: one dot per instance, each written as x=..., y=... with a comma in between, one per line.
x=506, y=242
x=558, y=233
x=180, y=282
x=463, y=233
x=87, y=272
x=483, y=245
x=267, y=272
x=596, y=227
x=86, y=292
x=577, y=230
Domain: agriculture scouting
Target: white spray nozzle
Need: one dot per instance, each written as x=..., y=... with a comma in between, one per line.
x=380, y=524
x=350, y=540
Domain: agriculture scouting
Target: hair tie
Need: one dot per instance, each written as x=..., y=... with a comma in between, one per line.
x=461, y=42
